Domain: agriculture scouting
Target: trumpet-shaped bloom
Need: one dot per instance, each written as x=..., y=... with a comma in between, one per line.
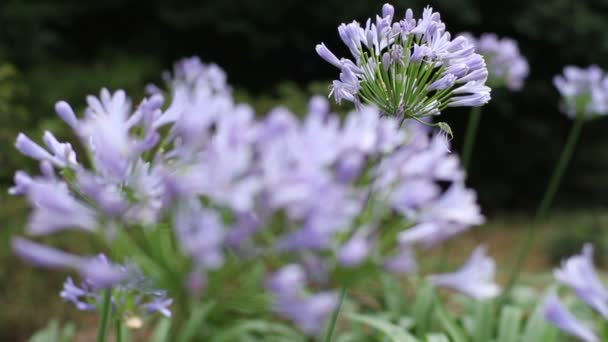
x=579, y=273
x=556, y=313
x=474, y=279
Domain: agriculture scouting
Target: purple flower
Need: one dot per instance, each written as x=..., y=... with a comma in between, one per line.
x=556, y=313
x=584, y=91
x=99, y=272
x=355, y=250
x=474, y=279
x=310, y=312
x=388, y=48
x=505, y=63
x=579, y=273
x=131, y=291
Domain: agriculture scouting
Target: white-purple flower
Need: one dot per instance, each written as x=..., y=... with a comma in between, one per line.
x=474, y=279
x=506, y=65
x=556, y=313
x=584, y=91
x=408, y=68
x=578, y=273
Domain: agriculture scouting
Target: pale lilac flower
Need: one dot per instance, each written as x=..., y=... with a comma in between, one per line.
x=131, y=292
x=579, y=273
x=506, y=65
x=383, y=48
x=225, y=181
x=355, y=250
x=102, y=273
x=556, y=313
x=584, y=91
x=474, y=279
x=309, y=312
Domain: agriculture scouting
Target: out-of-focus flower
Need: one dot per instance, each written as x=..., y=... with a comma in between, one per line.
x=556, y=313
x=409, y=68
x=584, y=91
x=475, y=278
x=579, y=273
x=231, y=187
x=309, y=312
x=132, y=295
x=506, y=65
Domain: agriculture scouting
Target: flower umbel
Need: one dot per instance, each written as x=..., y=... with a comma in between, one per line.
x=584, y=91
x=409, y=68
x=506, y=65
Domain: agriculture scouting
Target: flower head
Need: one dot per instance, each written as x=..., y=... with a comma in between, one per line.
x=584, y=91
x=131, y=296
x=506, y=65
x=408, y=68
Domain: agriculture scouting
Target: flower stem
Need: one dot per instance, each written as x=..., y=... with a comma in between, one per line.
x=334, y=316
x=105, y=313
x=118, y=327
x=467, y=152
x=546, y=201
x=471, y=135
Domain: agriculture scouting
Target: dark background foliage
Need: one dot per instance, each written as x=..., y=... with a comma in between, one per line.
x=67, y=49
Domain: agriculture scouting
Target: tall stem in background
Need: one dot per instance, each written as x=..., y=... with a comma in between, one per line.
x=105, y=313
x=471, y=135
x=334, y=316
x=547, y=200
x=467, y=152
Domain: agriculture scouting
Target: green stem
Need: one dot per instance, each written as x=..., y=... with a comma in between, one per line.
x=118, y=327
x=547, y=200
x=467, y=152
x=105, y=313
x=334, y=316
x=471, y=135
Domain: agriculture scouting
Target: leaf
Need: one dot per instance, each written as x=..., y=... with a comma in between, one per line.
x=161, y=331
x=483, y=321
x=537, y=328
x=423, y=308
x=437, y=338
x=50, y=333
x=449, y=325
x=394, y=332
x=265, y=328
x=510, y=324
x=194, y=322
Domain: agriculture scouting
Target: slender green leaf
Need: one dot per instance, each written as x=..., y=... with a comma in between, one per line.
x=437, y=338
x=264, y=328
x=161, y=331
x=423, y=308
x=450, y=326
x=394, y=332
x=510, y=324
x=195, y=322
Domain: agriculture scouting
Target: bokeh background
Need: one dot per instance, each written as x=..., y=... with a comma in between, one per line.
x=65, y=49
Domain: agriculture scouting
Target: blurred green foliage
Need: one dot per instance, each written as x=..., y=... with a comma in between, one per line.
x=568, y=238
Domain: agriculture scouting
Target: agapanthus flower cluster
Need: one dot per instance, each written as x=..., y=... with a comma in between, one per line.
x=506, y=65
x=408, y=68
x=578, y=273
x=229, y=186
x=133, y=297
x=584, y=91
